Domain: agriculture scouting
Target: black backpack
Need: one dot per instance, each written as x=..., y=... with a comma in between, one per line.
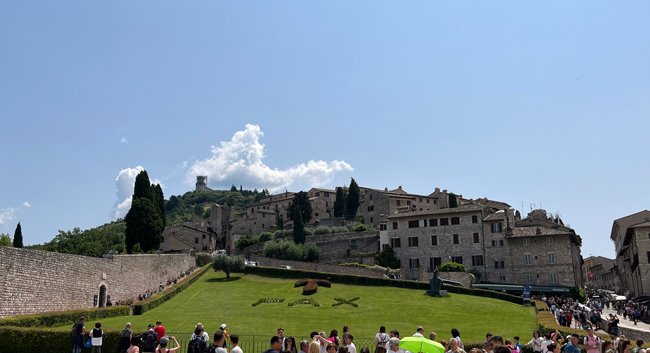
x=196, y=345
x=149, y=341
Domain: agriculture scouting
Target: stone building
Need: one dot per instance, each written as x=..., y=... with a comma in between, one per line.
x=631, y=237
x=196, y=235
x=600, y=273
x=492, y=243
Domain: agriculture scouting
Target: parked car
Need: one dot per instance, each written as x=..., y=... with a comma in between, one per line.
x=286, y=267
x=252, y=263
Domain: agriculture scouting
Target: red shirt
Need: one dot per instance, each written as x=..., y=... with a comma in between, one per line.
x=160, y=331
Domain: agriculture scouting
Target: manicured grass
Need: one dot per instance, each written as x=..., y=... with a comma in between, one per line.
x=213, y=300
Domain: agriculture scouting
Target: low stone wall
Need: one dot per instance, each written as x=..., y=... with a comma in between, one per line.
x=318, y=267
x=466, y=279
x=34, y=281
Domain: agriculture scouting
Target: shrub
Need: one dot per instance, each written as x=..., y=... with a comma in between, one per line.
x=311, y=252
x=22, y=339
x=340, y=229
x=265, y=236
x=452, y=267
x=203, y=259
x=288, y=250
x=169, y=293
x=246, y=241
x=309, y=231
x=322, y=230
x=63, y=317
x=359, y=227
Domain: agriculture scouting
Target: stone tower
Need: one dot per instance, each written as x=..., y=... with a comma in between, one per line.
x=201, y=183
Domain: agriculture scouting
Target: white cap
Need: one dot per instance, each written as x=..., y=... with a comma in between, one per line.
x=223, y=326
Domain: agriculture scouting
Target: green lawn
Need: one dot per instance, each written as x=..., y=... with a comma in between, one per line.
x=213, y=300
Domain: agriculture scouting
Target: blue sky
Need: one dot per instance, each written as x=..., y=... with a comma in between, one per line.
x=529, y=103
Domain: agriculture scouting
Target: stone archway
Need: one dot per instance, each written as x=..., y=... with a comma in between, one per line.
x=102, y=296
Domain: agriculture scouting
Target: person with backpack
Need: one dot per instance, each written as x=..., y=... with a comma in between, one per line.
x=164, y=342
x=381, y=339
x=96, y=336
x=78, y=332
x=198, y=344
x=149, y=340
x=592, y=342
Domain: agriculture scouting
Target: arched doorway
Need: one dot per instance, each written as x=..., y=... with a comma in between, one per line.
x=102, y=296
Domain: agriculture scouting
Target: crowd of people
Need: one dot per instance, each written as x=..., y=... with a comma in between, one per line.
x=155, y=340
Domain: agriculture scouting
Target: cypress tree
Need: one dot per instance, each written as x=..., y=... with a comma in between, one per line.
x=301, y=200
x=160, y=201
x=18, y=237
x=298, y=226
x=352, y=200
x=339, y=203
x=145, y=221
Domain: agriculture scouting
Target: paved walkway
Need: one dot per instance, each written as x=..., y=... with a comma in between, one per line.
x=640, y=326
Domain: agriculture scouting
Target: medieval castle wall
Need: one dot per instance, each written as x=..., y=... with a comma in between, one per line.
x=34, y=281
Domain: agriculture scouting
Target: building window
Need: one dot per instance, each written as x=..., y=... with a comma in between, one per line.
x=526, y=242
x=434, y=240
x=502, y=278
x=427, y=200
x=372, y=219
x=371, y=208
x=408, y=203
x=457, y=259
x=529, y=278
x=425, y=222
x=414, y=224
x=455, y=220
x=499, y=264
x=395, y=242
x=551, y=257
x=399, y=203
x=496, y=227
x=474, y=219
x=383, y=227
x=327, y=194
x=497, y=243
x=434, y=262
x=435, y=201
x=353, y=244
x=477, y=260
x=528, y=260
x=549, y=241
x=455, y=239
x=413, y=242
x=433, y=222
x=444, y=221
x=162, y=239
x=414, y=263
x=648, y=254
x=476, y=238
x=196, y=240
x=394, y=225
x=552, y=277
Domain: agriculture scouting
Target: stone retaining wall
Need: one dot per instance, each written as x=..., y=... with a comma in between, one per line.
x=318, y=267
x=34, y=281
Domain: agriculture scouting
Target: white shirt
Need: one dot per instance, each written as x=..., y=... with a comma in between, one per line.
x=353, y=349
x=417, y=334
x=236, y=350
x=95, y=341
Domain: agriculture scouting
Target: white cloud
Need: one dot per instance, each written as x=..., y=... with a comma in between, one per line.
x=7, y=214
x=240, y=162
x=124, y=181
x=124, y=140
x=27, y=204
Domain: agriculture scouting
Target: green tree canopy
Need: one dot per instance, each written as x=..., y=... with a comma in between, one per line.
x=352, y=200
x=451, y=267
x=387, y=258
x=228, y=264
x=298, y=226
x=143, y=225
x=339, y=203
x=18, y=237
x=5, y=240
x=301, y=200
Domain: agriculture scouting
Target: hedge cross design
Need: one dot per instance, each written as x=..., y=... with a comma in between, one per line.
x=310, y=285
x=341, y=301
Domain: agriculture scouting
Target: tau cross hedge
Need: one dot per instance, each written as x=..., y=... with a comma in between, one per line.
x=310, y=285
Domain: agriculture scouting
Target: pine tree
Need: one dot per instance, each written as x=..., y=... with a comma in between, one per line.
x=301, y=200
x=339, y=203
x=298, y=226
x=18, y=237
x=352, y=200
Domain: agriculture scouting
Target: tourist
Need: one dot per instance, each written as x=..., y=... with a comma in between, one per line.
x=331, y=348
x=453, y=346
x=334, y=338
x=276, y=345
x=125, y=338
x=613, y=324
x=290, y=345
x=392, y=334
x=217, y=344
x=536, y=342
x=149, y=340
x=487, y=345
x=304, y=346
x=393, y=346
x=280, y=332
x=343, y=349
x=432, y=336
x=346, y=329
x=554, y=348
x=202, y=333
x=608, y=347
x=162, y=346
x=78, y=332
x=626, y=347
x=419, y=332
x=381, y=340
x=572, y=346
x=96, y=336
x=314, y=347
x=639, y=347
x=159, y=330
x=456, y=334
x=517, y=344
x=348, y=342
x=234, y=339
x=226, y=336
x=135, y=345
x=198, y=342
x=592, y=342
x=365, y=350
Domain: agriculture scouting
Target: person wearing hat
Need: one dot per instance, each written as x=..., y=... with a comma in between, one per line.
x=164, y=342
x=572, y=346
x=149, y=340
x=226, y=336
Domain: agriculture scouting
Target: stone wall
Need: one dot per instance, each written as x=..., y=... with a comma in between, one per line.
x=34, y=281
x=318, y=267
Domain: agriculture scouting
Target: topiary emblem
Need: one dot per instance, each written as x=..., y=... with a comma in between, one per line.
x=310, y=285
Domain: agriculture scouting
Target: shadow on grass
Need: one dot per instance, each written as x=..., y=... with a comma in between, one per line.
x=231, y=279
